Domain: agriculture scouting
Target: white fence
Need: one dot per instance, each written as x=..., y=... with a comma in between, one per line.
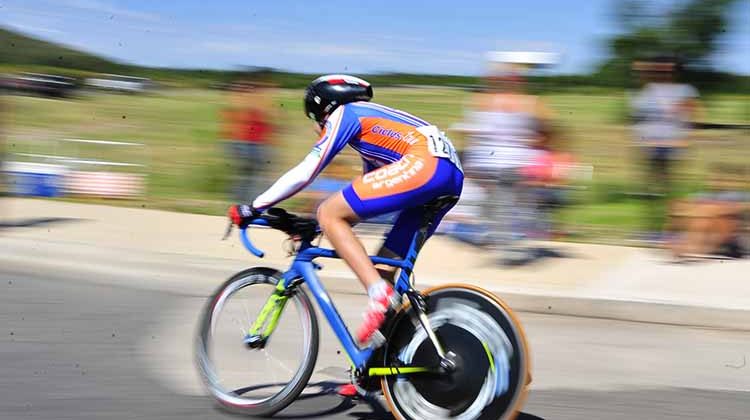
x=56, y=174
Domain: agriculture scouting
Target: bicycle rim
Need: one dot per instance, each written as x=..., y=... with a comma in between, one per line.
x=256, y=381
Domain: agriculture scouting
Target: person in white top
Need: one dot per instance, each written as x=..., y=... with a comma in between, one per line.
x=505, y=127
x=662, y=112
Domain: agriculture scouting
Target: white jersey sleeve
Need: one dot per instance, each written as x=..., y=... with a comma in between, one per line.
x=340, y=127
x=289, y=184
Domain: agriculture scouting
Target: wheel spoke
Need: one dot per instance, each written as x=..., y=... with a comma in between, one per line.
x=239, y=324
x=247, y=314
x=270, y=357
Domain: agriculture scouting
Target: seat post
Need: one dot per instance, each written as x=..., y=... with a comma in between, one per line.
x=427, y=221
x=420, y=236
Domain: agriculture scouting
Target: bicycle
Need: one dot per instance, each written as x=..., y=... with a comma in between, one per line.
x=451, y=351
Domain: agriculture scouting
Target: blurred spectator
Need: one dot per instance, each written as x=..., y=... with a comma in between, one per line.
x=505, y=128
x=465, y=221
x=662, y=113
x=248, y=128
x=715, y=222
x=547, y=178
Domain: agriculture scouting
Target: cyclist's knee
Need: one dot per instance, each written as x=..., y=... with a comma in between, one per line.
x=323, y=214
x=335, y=209
x=327, y=214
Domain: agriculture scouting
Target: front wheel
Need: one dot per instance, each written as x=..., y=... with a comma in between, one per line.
x=483, y=339
x=252, y=377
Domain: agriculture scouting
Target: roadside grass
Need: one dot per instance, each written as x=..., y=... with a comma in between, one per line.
x=187, y=170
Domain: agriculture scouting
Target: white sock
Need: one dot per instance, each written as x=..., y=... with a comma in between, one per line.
x=378, y=289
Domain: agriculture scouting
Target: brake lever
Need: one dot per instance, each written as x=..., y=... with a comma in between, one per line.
x=228, y=232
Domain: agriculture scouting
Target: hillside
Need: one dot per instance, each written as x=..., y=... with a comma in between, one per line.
x=19, y=49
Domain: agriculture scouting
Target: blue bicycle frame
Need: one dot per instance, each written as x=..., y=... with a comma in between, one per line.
x=303, y=268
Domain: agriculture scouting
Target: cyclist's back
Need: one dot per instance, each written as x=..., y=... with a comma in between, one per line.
x=384, y=134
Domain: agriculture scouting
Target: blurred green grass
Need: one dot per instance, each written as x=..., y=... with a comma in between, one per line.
x=187, y=169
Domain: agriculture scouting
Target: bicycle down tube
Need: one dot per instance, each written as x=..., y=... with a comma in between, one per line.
x=304, y=268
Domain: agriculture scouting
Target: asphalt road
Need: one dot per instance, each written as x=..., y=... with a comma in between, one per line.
x=78, y=348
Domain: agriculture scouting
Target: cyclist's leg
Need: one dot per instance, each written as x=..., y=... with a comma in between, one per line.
x=382, y=191
x=336, y=216
x=407, y=224
x=447, y=180
x=372, y=195
x=409, y=182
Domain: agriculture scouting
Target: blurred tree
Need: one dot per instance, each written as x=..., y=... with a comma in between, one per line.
x=689, y=31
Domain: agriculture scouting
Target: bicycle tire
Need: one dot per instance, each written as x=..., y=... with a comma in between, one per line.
x=505, y=406
x=232, y=401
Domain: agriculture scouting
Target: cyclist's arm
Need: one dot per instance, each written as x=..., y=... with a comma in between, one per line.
x=339, y=128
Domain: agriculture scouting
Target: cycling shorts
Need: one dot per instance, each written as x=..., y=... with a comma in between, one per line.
x=404, y=185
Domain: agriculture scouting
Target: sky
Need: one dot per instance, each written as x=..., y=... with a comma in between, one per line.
x=444, y=37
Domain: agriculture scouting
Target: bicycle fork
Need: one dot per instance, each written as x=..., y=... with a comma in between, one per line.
x=273, y=308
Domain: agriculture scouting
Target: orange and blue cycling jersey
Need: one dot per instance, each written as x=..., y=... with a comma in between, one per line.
x=407, y=163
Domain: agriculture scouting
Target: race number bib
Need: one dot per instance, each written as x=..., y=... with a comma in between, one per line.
x=440, y=145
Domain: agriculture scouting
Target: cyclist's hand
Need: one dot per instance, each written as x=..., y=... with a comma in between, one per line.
x=242, y=214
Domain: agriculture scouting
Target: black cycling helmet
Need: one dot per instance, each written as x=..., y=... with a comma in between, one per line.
x=325, y=93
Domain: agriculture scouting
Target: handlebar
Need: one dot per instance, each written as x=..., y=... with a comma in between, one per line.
x=249, y=245
x=276, y=218
x=246, y=240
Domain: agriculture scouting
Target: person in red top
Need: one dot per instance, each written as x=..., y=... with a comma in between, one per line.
x=248, y=130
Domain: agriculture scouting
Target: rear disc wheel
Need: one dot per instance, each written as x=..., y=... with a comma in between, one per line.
x=486, y=344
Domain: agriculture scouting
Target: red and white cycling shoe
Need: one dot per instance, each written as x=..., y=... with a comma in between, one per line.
x=347, y=390
x=369, y=332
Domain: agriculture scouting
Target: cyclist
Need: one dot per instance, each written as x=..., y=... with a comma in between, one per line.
x=407, y=163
